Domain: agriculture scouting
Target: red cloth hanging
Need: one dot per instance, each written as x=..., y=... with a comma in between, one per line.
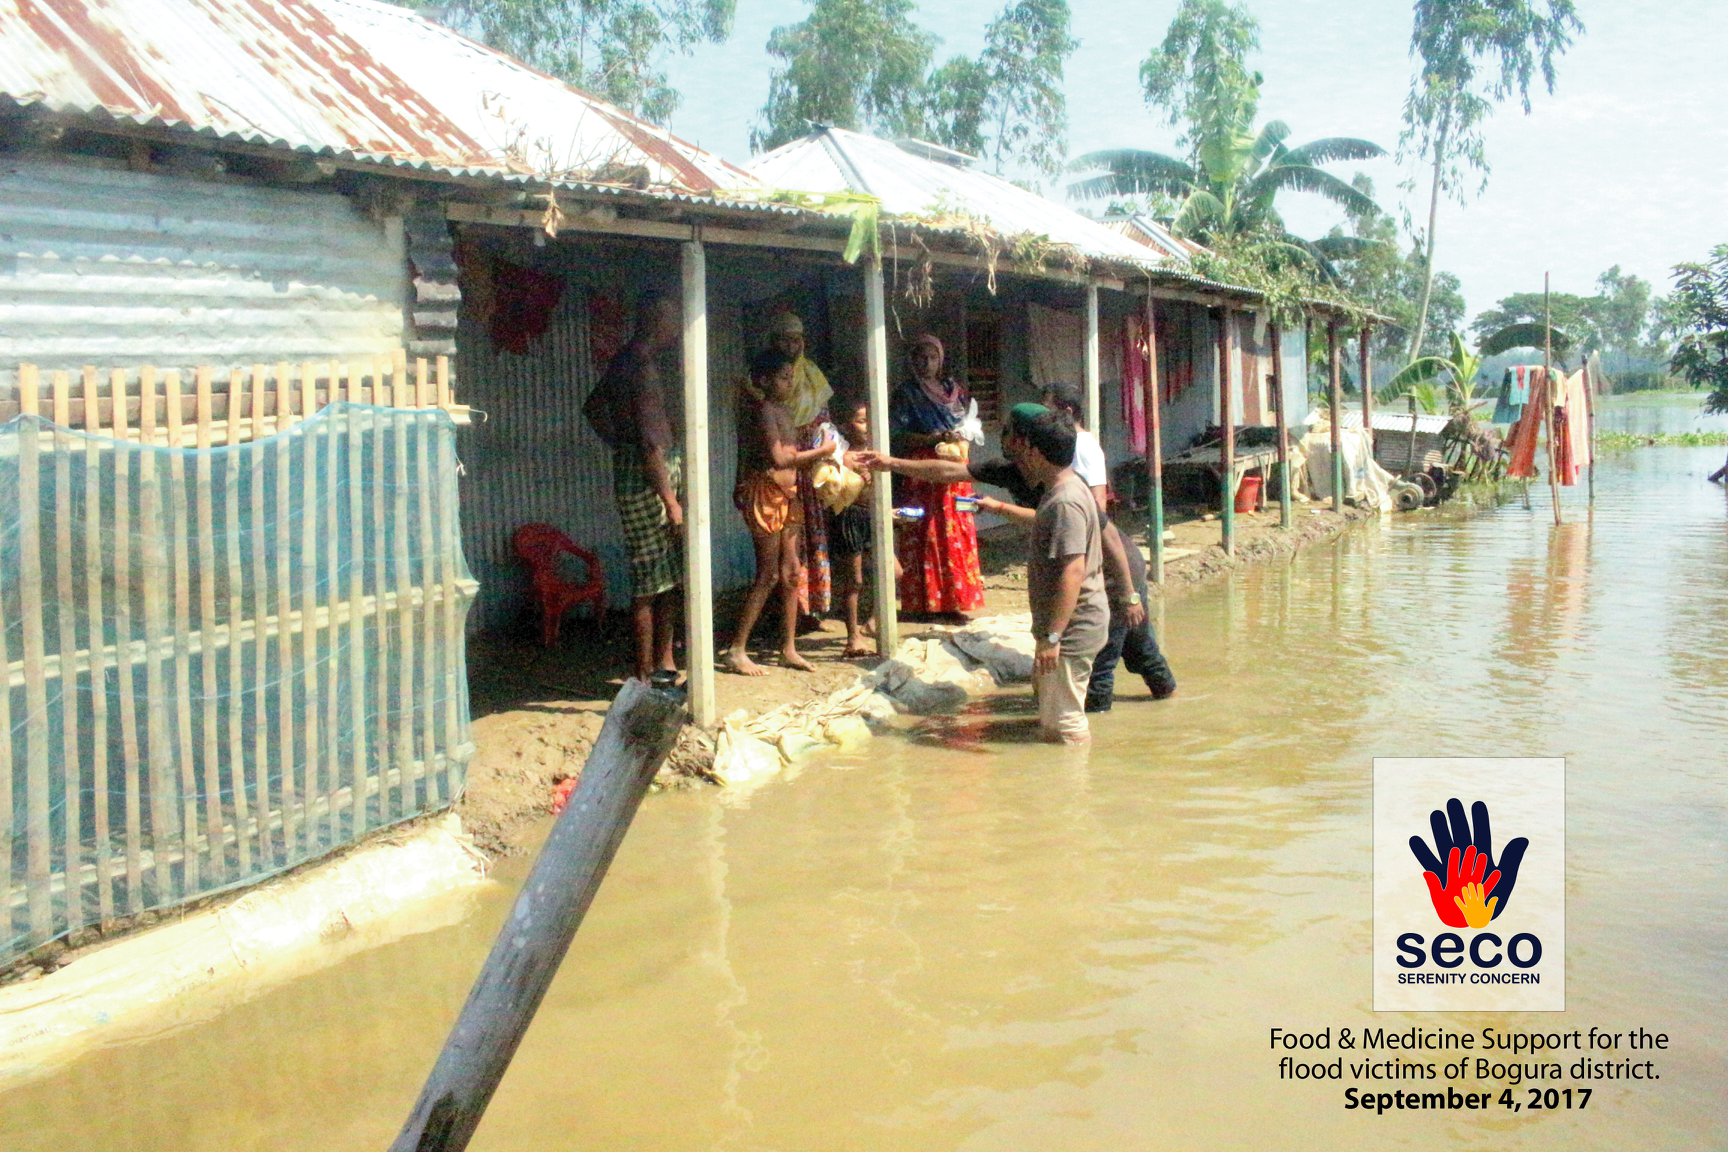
x=1134, y=388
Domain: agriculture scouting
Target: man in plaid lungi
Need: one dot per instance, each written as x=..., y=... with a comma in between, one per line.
x=647, y=476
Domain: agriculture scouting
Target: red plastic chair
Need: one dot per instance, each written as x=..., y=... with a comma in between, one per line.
x=540, y=545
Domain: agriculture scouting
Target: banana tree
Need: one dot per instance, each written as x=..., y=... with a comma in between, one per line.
x=1458, y=371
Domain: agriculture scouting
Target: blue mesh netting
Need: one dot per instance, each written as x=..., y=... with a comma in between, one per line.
x=220, y=662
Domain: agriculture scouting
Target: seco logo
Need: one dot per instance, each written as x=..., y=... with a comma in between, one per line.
x=1469, y=890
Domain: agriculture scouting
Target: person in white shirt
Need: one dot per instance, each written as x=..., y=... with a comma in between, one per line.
x=1131, y=637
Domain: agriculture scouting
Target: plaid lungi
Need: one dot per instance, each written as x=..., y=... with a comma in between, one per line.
x=656, y=560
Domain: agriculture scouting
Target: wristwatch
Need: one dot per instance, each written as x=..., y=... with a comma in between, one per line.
x=1134, y=599
x=1053, y=638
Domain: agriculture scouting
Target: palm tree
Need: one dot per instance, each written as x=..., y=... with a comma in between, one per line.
x=1229, y=189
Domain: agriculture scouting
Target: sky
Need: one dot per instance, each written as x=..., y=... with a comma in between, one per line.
x=1627, y=163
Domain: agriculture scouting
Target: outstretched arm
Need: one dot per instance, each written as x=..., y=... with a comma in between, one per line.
x=936, y=471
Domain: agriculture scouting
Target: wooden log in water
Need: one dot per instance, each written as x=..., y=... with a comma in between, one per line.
x=638, y=734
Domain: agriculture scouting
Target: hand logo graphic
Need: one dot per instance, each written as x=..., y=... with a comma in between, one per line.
x=1468, y=849
x=1470, y=902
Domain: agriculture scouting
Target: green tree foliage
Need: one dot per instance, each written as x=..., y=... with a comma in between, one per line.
x=1198, y=74
x=1623, y=309
x=1387, y=280
x=857, y=64
x=1472, y=54
x=1018, y=85
x=1228, y=185
x=1700, y=302
x=1573, y=315
x=608, y=47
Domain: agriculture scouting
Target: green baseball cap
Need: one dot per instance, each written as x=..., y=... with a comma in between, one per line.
x=1023, y=414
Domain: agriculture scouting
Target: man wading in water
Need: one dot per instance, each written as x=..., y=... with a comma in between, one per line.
x=1064, y=614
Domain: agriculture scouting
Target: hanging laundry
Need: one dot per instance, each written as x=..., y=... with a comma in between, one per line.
x=1522, y=443
x=1134, y=390
x=1515, y=392
x=1573, y=434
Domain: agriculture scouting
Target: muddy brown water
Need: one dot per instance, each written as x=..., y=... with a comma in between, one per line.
x=954, y=938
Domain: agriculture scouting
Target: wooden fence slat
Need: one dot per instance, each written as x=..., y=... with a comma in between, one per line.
x=158, y=756
x=412, y=769
x=175, y=522
x=261, y=744
x=356, y=626
x=383, y=635
x=37, y=833
x=123, y=586
x=403, y=392
x=425, y=696
x=215, y=812
x=447, y=546
x=423, y=386
x=284, y=640
x=327, y=435
x=7, y=931
x=309, y=666
x=238, y=784
x=94, y=524
x=66, y=616
x=443, y=369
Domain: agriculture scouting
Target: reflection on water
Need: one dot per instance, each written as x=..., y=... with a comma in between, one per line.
x=954, y=938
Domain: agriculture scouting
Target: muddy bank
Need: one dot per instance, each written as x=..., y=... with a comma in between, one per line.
x=537, y=712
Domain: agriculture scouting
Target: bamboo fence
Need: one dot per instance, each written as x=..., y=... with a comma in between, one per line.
x=232, y=633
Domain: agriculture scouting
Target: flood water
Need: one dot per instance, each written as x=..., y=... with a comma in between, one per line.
x=955, y=939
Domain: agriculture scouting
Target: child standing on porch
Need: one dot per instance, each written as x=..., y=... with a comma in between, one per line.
x=767, y=497
x=850, y=528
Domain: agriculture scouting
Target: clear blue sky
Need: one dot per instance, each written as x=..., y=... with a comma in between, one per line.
x=1627, y=163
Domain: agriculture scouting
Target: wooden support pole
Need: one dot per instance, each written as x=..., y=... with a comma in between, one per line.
x=1227, y=438
x=1591, y=373
x=38, y=834
x=1368, y=388
x=882, y=499
x=639, y=732
x=1155, y=454
x=1090, y=360
x=1549, y=403
x=94, y=541
x=698, y=511
x=1282, y=424
x=1335, y=413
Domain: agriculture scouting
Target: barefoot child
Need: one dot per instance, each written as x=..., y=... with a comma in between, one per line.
x=850, y=530
x=767, y=497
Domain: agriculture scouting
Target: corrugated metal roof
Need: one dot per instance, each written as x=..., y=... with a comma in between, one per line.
x=1393, y=420
x=341, y=78
x=939, y=191
x=1145, y=230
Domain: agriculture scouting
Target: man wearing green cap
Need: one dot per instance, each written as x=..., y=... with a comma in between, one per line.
x=1065, y=585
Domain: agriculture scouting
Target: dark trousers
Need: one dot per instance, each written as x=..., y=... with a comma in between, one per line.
x=1138, y=649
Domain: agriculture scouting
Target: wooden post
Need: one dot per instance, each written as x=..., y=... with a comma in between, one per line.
x=159, y=758
x=72, y=760
x=882, y=499
x=639, y=732
x=698, y=510
x=1227, y=438
x=1411, y=446
x=1090, y=361
x=1282, y=424
x=1549, y=404
x=215, y=812
x=357, y=672
x=129, y=747
x=1336, y=412
x=1591, y=374
x=239, y=783
x=1368, y=388
x=37, y=831
x=1155, y=454
x=94, y=535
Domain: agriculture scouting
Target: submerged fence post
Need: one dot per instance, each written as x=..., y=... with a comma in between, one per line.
x=640, y=729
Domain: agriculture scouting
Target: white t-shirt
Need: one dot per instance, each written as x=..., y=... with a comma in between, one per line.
x=1090, y=459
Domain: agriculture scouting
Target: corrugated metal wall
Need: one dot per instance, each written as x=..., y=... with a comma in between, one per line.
x=102, y=265
x=535, y=458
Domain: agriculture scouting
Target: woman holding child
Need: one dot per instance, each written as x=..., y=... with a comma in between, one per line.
x=939, y=552
x=767, y=496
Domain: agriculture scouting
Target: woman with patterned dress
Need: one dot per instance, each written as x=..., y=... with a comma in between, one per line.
x=939, y=552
